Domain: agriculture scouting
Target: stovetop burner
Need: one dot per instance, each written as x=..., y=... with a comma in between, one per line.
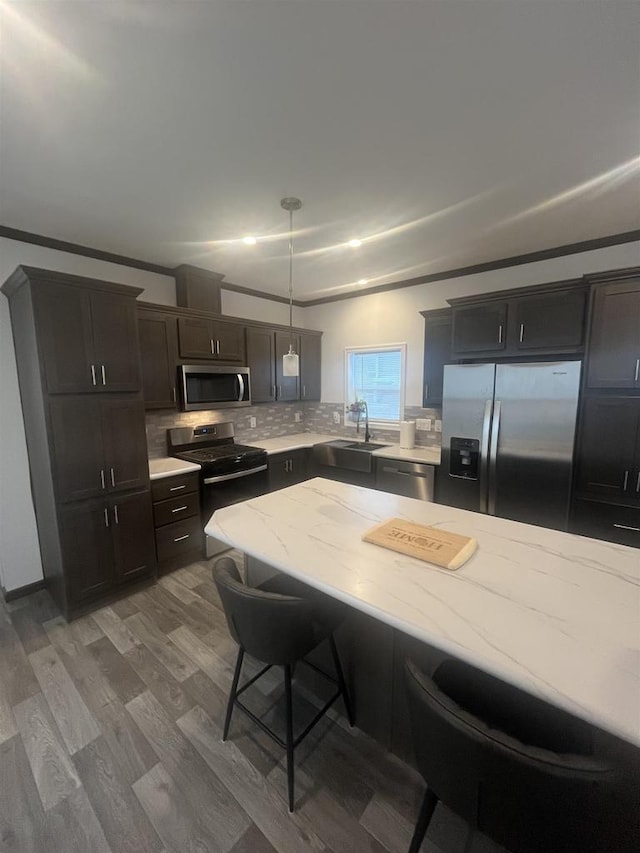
x=212, y=446
x=220, y=451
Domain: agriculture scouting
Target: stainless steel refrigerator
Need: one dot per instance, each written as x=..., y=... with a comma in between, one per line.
x=507, y=439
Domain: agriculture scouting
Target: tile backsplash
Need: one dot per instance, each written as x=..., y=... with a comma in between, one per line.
x=277, y=419
x=271, y=421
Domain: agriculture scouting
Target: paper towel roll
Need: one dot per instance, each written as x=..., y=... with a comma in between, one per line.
x=407, y=434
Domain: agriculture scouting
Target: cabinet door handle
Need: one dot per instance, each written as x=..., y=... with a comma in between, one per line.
x=179, y=509
x=180, y=538
x=304, y=391
x=106, y=517
x=213, y=349
x=637, y=373
x=638, y=483
x=273, y=391
x=426, y=390
x=626, y=481
x=104, y=375
x=173, y=391
x=93, y=374
x=521, y=332
x=627, y=527
x=176, y=488
x=102, y=477
x=217, y=347
x=500, y=333
x=279, y=392
x=113, y=477
x=115, y=514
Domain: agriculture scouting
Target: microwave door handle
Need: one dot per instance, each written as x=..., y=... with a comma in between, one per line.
x=240, y=386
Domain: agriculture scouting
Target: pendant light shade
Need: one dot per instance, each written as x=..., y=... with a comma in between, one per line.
x=291, y=361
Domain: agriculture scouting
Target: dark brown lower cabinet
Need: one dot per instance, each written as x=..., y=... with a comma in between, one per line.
x=612, y=522
x=179, y=538
x=287, y=469
x=106, y=543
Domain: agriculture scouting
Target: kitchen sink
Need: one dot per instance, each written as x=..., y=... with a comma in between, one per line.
x=351, y=455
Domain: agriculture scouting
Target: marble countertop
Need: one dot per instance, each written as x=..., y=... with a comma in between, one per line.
x=553, y=613
x=427, y=455
x=167, y=466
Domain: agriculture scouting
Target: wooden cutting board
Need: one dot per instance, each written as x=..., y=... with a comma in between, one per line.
x=431, y=544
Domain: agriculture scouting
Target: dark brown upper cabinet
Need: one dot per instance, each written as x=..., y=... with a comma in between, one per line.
x=261, y=362
x=614, y=349
x=198, y=288
x=158, y=334
x=310, y=367
x=99, y=446
x=211, y=339
x=552, y=321
x=437, y=353
x=88, y=338
x=547, y=319
x=480, y=329
x=287, y=387
x=609, y=449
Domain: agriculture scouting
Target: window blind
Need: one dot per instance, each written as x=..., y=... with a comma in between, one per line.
x=376, y=376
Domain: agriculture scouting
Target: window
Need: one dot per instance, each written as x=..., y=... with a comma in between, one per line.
x=376, y=375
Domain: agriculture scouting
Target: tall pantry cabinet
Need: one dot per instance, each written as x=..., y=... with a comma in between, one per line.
x=78, y=358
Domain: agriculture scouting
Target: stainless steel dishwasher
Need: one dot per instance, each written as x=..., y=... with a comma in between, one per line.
x=411, y=479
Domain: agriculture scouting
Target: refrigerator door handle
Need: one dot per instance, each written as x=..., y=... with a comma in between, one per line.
x=484, y=456
x=493, y=457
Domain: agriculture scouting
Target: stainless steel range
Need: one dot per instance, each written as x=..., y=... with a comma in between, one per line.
x=230, y=472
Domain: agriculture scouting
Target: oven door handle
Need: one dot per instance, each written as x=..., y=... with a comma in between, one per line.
x=240, y=386
x=221, y=479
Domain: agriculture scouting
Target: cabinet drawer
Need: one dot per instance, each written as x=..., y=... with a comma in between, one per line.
x=173, y=487
x=176, y=509
x=178, y=538
x=613, y=523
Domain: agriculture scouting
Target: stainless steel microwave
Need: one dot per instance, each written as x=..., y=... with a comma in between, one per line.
x=213, y=387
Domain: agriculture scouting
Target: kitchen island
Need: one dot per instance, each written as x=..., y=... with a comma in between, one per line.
x=555, y=614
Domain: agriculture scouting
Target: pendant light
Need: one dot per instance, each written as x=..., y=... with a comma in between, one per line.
x=291, y=361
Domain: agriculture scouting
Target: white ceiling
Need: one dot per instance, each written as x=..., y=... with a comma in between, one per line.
x=442, y=133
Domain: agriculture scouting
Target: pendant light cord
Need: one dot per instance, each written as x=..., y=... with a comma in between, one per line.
x=290, y=278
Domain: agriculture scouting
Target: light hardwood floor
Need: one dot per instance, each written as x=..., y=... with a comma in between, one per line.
x=110, y=741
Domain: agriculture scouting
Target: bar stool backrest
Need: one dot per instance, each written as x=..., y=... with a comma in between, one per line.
x=273, y=628
x=513, y=767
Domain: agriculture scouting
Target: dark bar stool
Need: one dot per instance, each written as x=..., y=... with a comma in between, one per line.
x=518, y=770
x=278, y=623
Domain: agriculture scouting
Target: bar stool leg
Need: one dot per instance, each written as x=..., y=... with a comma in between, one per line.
x=427, y=808
x=289, y=712
x=232, y=695
x=341, y=681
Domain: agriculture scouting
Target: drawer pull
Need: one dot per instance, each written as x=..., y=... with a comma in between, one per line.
x=637, y=373
x=180, y=538
x=626, y=481
x=176, y=488
x=627, y=527
x=179, y=509
x=638, y=483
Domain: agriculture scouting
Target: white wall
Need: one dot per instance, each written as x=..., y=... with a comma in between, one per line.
x=254, y=308
x=393, y=317
x=20, y=562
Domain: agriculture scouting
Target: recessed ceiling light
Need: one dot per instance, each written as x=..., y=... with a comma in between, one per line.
x=355, y=244
x=363, y=281
x=249, y=241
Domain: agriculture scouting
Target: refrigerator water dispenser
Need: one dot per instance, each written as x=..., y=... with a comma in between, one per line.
x=464, y=458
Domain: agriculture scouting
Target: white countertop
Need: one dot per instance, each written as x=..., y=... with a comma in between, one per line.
x=167, y=466
x=553, y=613
x=427, y=455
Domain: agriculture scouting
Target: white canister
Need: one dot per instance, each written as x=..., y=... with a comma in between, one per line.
x=407, y=434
